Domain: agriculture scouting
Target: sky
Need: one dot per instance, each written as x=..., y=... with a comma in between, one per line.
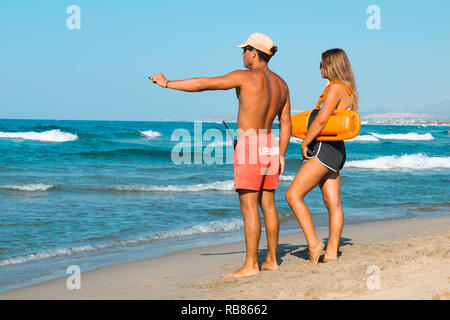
x=100, y=70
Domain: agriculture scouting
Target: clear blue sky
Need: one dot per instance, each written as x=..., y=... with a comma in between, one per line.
x=101, y=70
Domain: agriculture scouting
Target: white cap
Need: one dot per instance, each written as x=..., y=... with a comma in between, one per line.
x=259, y=41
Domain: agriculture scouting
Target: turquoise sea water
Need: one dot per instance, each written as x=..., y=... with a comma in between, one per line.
x=94, y=193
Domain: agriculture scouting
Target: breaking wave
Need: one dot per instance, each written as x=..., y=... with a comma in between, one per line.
x=227, y=185
x=365, y=138
x=28, y=187
x=404, y=136
x=417, y=161
x=150, y=134
x=54, y=135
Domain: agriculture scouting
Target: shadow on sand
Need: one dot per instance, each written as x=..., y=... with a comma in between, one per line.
x=299, y=251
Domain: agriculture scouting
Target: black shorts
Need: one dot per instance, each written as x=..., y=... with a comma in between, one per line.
x=330, y=153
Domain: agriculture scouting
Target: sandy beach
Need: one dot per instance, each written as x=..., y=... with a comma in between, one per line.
x=396, y=259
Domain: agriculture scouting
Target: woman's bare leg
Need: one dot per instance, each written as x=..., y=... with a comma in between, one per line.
x=309, y=175
x=331, y=186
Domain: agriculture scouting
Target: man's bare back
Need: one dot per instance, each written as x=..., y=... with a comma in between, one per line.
x=262, y=96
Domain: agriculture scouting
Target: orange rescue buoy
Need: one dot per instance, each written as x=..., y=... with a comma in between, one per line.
x=341, y=125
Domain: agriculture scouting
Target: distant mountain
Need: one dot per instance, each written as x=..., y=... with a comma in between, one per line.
x=437, y=111
x=398, y=115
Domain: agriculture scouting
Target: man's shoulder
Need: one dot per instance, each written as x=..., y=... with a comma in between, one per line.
x=248, y=75
x=280, y=79
x=240, y=74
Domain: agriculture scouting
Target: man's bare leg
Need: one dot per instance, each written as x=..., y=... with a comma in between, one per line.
x=252, y=231
x=272, y=224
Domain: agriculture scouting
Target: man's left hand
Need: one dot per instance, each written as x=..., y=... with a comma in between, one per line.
x=282, y=163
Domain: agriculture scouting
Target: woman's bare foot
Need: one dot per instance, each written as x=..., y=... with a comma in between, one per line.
x=269, y=266
x=314, y=253
x=243, y=272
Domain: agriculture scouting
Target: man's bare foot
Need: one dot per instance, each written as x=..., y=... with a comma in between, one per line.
x=314, y=253
x=269, y=266
x=243, y=272
x=329, y=258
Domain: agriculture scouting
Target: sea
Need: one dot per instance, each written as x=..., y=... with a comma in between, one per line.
x=96, y=193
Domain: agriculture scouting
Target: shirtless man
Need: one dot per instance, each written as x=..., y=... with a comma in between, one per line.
x=262, y=95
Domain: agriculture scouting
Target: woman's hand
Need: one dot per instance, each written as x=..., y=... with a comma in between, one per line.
x=305, y=152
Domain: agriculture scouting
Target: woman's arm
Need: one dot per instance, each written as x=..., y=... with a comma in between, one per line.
x=329, y=105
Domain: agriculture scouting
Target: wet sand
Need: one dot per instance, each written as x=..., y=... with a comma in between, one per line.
x=397, y=259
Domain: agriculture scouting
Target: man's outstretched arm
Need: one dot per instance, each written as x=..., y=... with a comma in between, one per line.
x=231, y=80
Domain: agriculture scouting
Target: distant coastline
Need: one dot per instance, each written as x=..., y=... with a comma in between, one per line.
x=405, y=122
x=404, y=119
x=372, y=119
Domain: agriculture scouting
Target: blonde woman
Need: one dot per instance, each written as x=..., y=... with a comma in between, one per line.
x=324, y=159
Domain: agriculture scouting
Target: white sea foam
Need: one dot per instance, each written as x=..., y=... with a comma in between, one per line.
x=28, y=187
x=296, y=140
x=364, y=137
x=150, y=134
x=417, y=161
x=55, y=135
x=45, y=255
x=202, y=228
x=404, y=136
x=291, y=140
x=227, y=185
x=286, y=177
x=218, y=143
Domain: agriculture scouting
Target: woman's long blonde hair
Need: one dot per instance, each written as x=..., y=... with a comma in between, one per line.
x=336, y=65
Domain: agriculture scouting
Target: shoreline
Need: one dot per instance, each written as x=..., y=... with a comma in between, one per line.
x=57, y=266
x=195, y=273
